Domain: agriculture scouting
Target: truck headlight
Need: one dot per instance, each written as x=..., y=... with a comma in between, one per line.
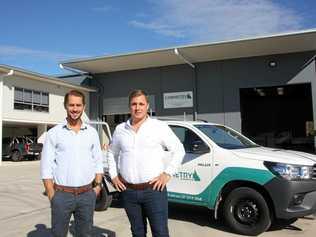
x=290, y=172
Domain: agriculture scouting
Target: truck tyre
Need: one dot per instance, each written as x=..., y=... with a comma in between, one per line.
x=104, y=200
x=38, y=157
x=246, y=211
x=16, y=155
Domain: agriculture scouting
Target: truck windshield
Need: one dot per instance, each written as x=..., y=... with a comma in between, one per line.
x=225, y=137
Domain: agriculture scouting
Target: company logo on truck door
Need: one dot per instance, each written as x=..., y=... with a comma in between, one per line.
x=187, y=176
x=209, y=195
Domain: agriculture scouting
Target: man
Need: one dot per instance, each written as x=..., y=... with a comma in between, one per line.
x=71, y=169
x=141, y=145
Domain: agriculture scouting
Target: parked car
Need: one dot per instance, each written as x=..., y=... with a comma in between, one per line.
x=247, y=185
x=21, y=148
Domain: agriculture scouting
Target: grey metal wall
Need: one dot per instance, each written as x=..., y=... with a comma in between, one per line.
x=218, y=83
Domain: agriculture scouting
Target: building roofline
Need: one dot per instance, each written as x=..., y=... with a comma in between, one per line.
x=41, y=77
x=246, y=39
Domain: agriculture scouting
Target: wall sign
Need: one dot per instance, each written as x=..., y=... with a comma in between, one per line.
x=178, y=99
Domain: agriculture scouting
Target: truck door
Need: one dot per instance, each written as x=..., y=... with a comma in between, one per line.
x=195, y=173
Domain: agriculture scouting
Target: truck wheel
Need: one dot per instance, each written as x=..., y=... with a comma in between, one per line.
x=246, y=211
x=103, y=201
x=16, y=156
x=38, y=157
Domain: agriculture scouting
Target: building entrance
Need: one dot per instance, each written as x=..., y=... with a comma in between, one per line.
x=280, y=116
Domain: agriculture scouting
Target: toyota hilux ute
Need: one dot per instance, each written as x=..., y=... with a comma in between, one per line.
x=248, y=185
x=21, y=148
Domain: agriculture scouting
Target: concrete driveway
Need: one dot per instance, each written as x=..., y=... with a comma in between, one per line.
x=25, y=212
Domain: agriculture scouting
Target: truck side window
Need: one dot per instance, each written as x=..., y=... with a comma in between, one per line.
x=188, y=138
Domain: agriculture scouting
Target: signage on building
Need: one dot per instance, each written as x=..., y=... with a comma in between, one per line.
x=178, y=99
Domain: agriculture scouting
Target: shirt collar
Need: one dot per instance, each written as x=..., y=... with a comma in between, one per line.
x=129, y=125
x=83, y=125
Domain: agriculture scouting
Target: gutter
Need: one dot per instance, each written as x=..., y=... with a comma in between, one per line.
x=77, y=72
x=176, y=52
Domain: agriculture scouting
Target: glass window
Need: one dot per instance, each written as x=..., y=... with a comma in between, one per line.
x=226, y=137
x=188, y=138
x=21, y=106
x=26, y=99
x=27, y=96
x=40, y=108
x=180, y=132
x=18, y=94
x=36, y=97
x=44, y=98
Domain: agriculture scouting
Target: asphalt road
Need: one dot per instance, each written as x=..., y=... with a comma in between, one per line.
x=25, y=212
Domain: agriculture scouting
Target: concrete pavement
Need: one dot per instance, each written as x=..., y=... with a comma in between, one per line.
x=25, y=212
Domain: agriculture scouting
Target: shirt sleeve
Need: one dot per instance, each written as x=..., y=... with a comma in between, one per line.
x=48, y=157
x=174, y=146
x=97, y=154
x=113, y=154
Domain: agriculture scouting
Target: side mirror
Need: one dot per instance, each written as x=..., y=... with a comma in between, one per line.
x=199, y=147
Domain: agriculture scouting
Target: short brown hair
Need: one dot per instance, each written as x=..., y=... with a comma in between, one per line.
x=136, y=93
x=74, y=93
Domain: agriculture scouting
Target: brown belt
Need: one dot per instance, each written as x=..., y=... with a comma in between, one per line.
x=73, y=190
x=141, y=186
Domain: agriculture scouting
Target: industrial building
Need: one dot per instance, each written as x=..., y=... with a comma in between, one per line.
x=263, y=87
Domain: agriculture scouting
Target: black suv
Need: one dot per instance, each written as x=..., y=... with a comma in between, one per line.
x=21, y=148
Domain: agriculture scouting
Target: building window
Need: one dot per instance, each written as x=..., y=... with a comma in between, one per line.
x=25, y=99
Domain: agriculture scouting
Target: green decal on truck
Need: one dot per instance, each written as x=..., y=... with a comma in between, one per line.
x=209, y=195
x=187, y=176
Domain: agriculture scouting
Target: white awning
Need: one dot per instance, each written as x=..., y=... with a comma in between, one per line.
x=267, y=45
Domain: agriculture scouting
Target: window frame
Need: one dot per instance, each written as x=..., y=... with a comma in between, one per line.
x=193, y=141
x=19, y=102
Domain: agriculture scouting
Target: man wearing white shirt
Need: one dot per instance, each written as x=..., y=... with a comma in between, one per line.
x=71, y=169
x=138, y=148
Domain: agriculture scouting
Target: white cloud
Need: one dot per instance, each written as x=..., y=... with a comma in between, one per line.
x=158, y=27
x=7, y=51
x=214, y=20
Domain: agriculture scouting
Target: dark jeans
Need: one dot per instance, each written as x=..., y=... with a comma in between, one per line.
x=63, y=205
x=141, y=205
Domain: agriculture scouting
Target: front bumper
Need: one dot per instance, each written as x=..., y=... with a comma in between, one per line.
x=292, y=199
x=32, y=153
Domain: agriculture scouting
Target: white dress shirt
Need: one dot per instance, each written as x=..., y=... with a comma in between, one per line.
x=140, y=155
x=70, y=158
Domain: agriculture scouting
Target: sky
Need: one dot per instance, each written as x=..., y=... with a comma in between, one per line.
x=37, y=35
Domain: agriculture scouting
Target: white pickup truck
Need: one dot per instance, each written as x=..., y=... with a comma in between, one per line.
x=248, y=185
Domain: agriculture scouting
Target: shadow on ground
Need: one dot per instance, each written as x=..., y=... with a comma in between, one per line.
x=205, y=217
x=41, y=230
x=198, y=215
x=285, y=224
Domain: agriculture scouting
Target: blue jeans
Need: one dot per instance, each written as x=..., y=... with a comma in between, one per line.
x=63, y=205
x=150, y=204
